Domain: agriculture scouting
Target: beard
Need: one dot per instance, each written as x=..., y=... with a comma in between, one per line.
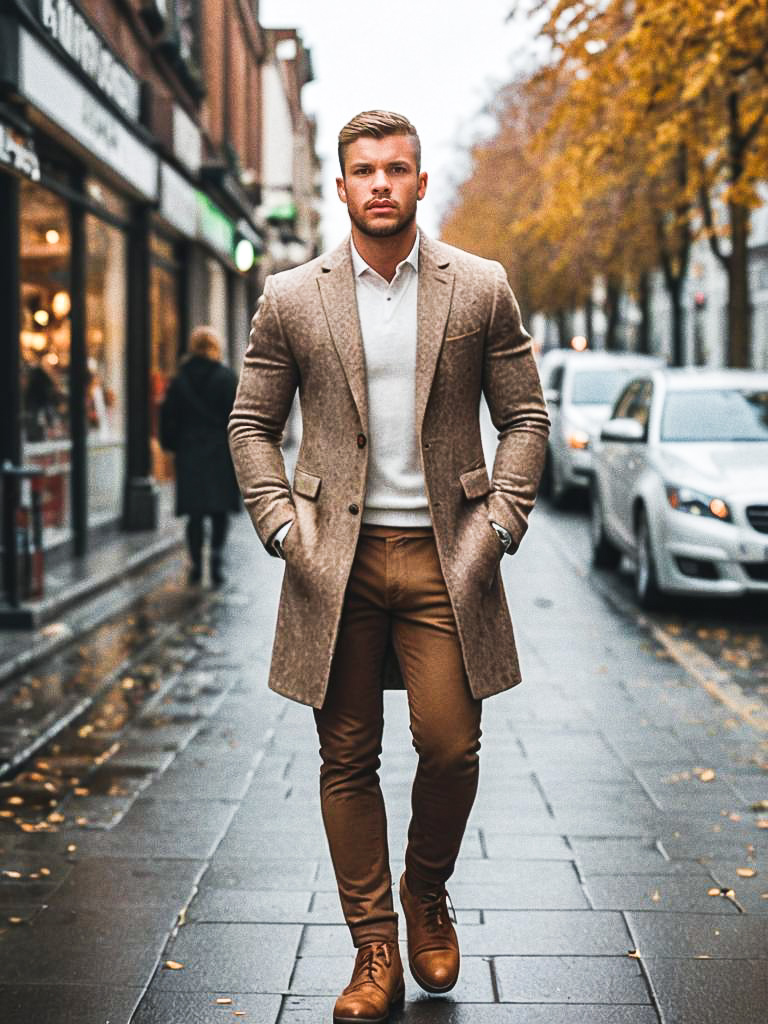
x=403, y=221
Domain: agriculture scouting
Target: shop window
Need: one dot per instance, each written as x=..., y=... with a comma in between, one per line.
x=45, y=350
x=105, y=335
x=166, y=336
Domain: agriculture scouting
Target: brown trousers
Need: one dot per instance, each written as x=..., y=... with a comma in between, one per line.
x=396, y=590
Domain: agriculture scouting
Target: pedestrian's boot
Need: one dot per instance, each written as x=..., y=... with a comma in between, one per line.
x=433, y=948
x=217, y=567
x=377, y=985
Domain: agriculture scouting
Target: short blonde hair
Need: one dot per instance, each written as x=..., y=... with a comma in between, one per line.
x=205, y=341
x=376, y=124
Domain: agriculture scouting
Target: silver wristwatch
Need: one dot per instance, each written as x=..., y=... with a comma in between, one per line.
x=504, y=536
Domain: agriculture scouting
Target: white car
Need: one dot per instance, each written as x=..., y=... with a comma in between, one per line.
x=680, y=484
x=580, y=388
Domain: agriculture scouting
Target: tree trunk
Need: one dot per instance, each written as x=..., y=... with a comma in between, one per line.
x=738, y=289
x=674, y=288
x=644, y=302
x=612, y=296
x=589, y=324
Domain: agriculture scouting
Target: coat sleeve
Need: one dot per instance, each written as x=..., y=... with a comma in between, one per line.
x=263, y=401
x=513, y=392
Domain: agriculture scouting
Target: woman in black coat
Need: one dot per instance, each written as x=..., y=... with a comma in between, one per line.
x=193, y=424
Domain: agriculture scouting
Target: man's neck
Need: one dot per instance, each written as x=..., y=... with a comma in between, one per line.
x=384, y=254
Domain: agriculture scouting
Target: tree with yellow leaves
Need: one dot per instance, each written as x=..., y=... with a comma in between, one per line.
x=692, y=79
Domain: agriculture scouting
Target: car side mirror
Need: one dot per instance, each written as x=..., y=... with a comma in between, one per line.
x=628, y=431
x=552, y=396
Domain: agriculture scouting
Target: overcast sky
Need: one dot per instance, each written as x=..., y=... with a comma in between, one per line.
x=436, y=61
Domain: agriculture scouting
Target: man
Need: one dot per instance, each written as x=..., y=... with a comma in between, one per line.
x=392, y=532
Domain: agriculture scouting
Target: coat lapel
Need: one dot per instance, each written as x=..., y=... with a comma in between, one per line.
x=434, y=303
x=337, y=292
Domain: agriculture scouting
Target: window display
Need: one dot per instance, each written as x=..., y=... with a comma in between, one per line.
x=45, y=350
x=105, y=331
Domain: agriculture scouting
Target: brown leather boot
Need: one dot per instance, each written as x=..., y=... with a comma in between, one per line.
x=433, y=949
x=376, y=985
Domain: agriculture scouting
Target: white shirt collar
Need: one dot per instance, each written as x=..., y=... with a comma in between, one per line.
x=360, y=266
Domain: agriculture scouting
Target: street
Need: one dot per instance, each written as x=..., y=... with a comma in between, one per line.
x=162, y=859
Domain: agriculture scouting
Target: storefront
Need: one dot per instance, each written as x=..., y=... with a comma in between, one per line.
x=108, y=255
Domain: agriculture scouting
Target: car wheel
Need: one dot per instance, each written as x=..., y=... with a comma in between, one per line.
x=646, y=585
x=605, y=554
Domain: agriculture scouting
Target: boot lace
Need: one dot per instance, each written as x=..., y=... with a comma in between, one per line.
x=434, y=906
x=370, y=960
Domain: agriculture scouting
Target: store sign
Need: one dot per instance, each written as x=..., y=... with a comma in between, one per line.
x=214, y=227
x=84, y=45
x=178, y=201
x=187, y=140
x=19, y=155
x=59, y=95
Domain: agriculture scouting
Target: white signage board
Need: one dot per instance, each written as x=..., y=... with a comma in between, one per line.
x=58, y=94
x=178, y=201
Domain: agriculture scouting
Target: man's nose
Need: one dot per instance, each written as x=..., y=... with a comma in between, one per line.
x=381, y=181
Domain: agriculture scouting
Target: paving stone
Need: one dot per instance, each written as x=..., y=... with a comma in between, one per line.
x=570, y=979
x=68, y=1004
x=327, y=975
x=201, y=1008
x=504, y=871
x=661, y=893
x=689, y=936
x=231, y=957
x=710, y=991
x=248, y=905
x=124, y=883
x=626, y=857
x=311, y=1010
x=249, y=873
x=514, y=847
x=45, y=957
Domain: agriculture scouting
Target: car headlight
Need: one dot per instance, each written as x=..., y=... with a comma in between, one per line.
x=697, y=503
x=578, y=439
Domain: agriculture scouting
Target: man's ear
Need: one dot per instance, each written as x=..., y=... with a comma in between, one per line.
x=422, y=185
x=341, y=190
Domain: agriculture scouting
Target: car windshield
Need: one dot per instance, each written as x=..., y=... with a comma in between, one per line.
x=722, y=414
x=599, y=387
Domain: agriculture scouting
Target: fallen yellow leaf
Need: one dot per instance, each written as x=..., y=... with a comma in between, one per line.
x=12, y=874
x=713, y=892
x=707, y=775
x=224, y=1001
x=15, y=920
x=71, y=848
x=655, y=895
x=762, y=822
x=761, y=805
x=746, y=872
x=634, y=954
x=173, y=965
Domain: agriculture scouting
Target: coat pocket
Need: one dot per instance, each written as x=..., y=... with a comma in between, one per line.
x=306, y=484
x=475, y=483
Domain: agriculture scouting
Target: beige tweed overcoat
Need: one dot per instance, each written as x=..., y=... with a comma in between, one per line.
x=306, y=335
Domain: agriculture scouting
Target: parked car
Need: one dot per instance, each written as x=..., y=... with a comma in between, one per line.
x=680, y=484
x=580, y=388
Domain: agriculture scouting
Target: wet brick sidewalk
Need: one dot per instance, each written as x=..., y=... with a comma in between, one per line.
x=614, y=869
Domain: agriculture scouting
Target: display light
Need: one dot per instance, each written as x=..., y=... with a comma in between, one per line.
x=61, y=305
x=52, y=236
x=245, y=255
x=41, y=317
x=579, y=343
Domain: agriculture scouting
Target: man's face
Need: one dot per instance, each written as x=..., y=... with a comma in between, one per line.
x=381, y=185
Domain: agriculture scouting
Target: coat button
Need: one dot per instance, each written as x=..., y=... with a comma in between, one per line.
x=361, y=440
x=354, y=509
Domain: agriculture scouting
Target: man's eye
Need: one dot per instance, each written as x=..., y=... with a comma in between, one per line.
x=362, y=170
x=399, y=170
